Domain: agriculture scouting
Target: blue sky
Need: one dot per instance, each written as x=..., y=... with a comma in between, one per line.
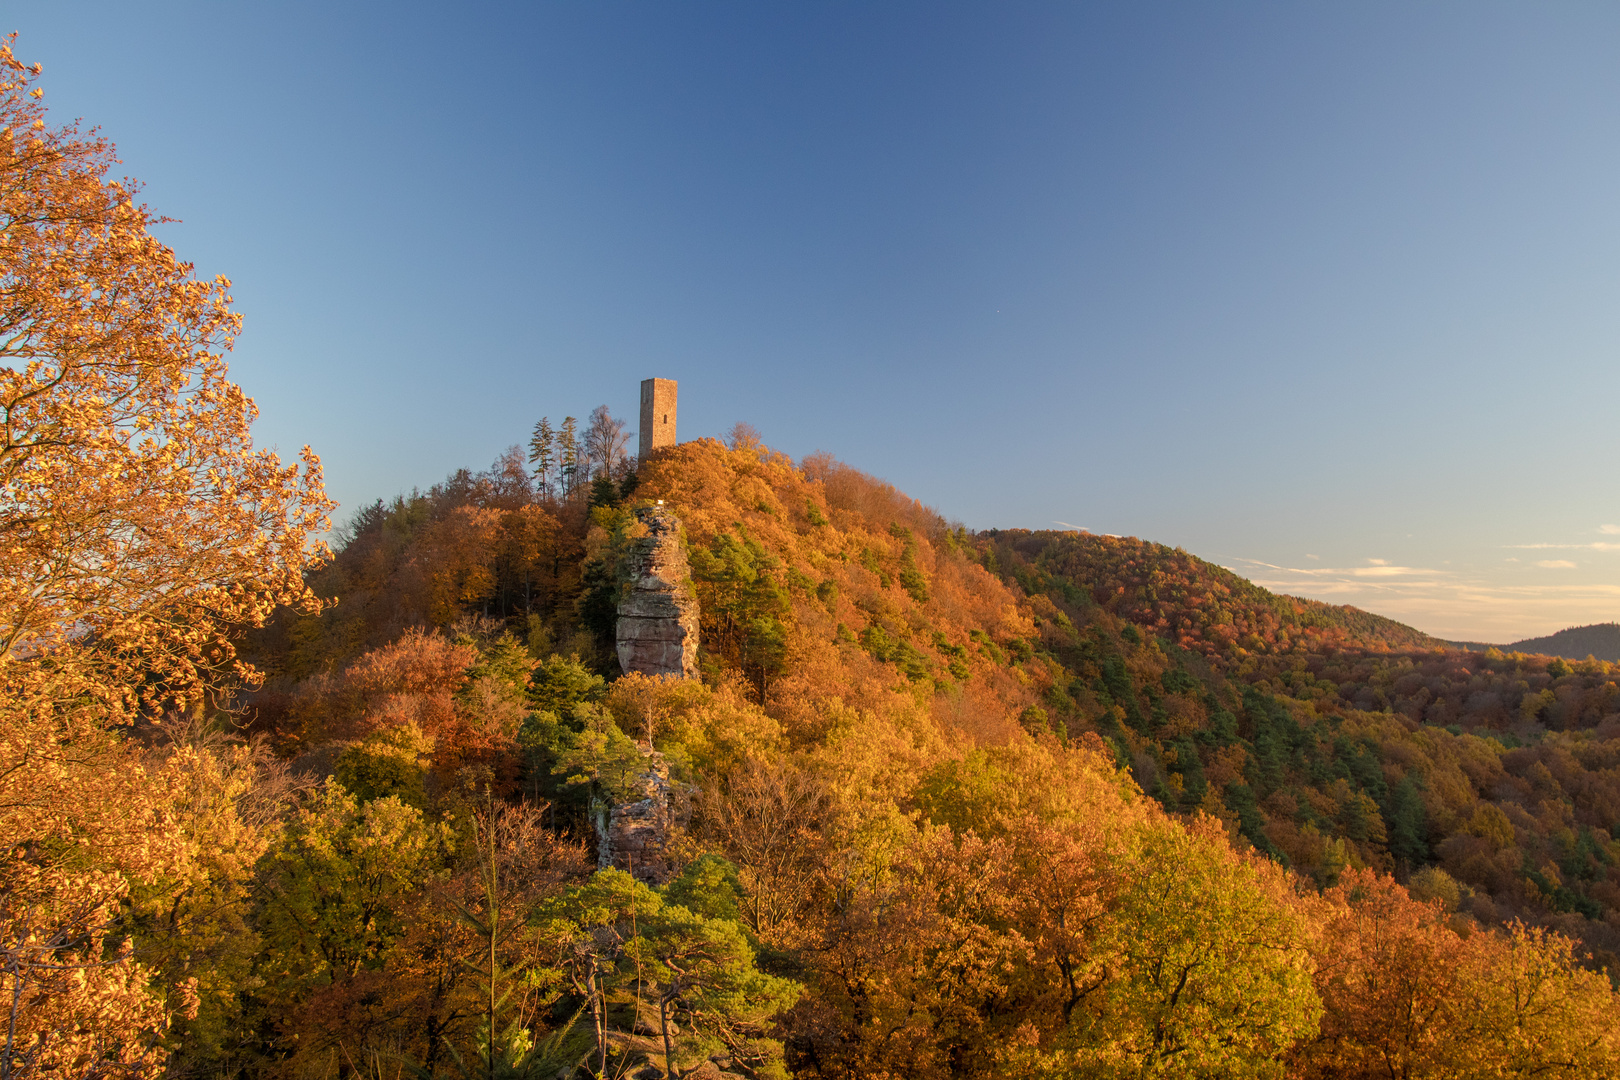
x=1323, y=293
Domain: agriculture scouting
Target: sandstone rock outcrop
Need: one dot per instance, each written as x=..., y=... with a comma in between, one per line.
x=658, y=621
x=634, y=835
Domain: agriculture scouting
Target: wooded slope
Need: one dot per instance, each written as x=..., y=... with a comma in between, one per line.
x=1601, y=640
x=904, y=728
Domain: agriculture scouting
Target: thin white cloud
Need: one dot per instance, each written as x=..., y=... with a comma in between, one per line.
x=1459, y=604
x=1596, y=545
x=1556, y=564
x=1066, y=525
x=1380, y=569
x=1610, y=530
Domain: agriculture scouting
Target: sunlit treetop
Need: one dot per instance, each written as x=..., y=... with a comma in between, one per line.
x=137, y=522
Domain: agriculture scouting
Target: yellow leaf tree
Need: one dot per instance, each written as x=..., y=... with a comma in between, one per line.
x=138, y=528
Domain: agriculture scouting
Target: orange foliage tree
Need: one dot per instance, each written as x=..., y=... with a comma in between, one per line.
x=138, y=526
x=1405, y=995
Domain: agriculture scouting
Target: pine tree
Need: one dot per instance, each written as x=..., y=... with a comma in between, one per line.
x=568, y=455
x=541, y=454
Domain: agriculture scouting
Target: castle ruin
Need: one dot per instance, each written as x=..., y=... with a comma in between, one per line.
x=657, y=415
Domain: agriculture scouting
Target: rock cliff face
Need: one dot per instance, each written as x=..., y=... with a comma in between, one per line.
x=658, y=622
x=633, y=836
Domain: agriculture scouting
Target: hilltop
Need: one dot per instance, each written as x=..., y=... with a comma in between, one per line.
x=1193, y=603
x=1327, y=737
x=1600, y=640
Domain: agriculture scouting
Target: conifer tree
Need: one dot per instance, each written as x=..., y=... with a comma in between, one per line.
x=542, y=455
x=568, y=456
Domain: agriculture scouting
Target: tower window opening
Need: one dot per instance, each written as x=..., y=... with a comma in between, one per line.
x=666, y=418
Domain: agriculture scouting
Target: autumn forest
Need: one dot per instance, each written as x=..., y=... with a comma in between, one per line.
x=941, y=802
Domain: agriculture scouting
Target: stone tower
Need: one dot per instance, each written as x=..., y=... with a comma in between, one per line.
x=657, y=414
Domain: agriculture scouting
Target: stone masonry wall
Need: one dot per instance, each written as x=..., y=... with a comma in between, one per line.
x=658, y=399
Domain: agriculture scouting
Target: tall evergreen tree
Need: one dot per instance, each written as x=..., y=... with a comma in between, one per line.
x=1408, y=825
x=568, y=455
x=542, y=455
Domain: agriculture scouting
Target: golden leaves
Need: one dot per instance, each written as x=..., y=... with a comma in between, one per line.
x=138, y=529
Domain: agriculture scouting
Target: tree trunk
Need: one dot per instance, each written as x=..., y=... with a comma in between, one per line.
x=598, y=1019
x=663, y=1022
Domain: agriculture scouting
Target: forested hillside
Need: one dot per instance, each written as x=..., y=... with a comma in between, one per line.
x=1192, y=603
x=888, y=695
x=1333, y=734
x=942, y=812
x=1601, y=641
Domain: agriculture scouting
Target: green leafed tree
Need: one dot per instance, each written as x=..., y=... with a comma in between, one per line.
x=335, y=884
x=743, y=603
x=568, y=456
x=1199, y=966
x=625, y=949
x=1211, y=975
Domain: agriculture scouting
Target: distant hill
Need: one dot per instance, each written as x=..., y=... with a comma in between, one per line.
x=1189, y=601
x=1601, y=640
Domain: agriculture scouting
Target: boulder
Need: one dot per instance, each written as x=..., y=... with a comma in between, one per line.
x=707, y=1070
